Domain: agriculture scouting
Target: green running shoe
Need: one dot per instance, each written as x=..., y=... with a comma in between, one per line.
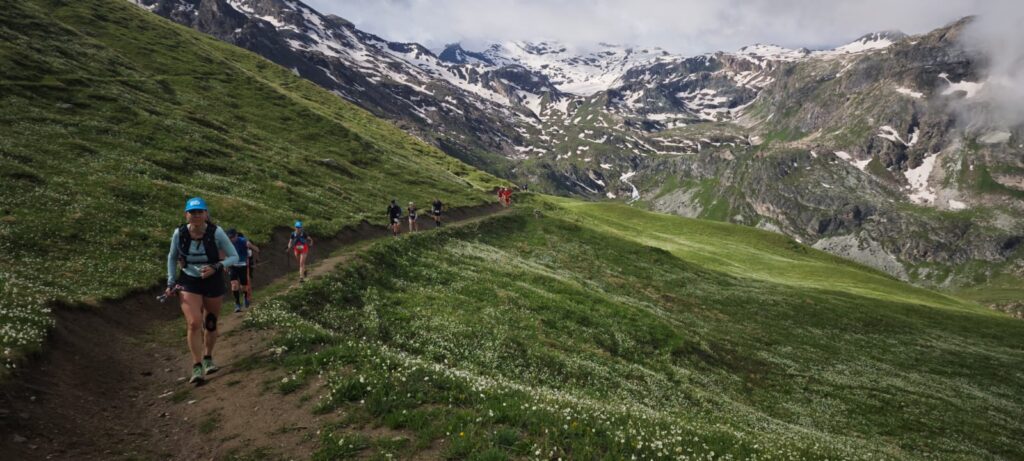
x=208, y=365
x=197, y=375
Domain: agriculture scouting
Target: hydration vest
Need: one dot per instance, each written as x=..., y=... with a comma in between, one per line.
x=209, y=244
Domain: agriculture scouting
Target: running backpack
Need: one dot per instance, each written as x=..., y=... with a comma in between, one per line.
x=209, y=243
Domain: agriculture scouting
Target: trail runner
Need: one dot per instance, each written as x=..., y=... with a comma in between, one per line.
x=299, y=243
x=202, y=249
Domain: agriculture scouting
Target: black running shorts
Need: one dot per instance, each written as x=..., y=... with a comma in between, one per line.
x=241, y=274
x=210, y=287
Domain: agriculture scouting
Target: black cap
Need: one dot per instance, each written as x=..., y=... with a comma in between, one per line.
x=232, y=232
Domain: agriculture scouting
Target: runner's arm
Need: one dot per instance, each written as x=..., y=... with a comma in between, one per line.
x=172, y=260
x=255, y=249
x=225, y=245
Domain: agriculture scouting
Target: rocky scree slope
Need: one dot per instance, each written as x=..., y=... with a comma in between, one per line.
x=883, y=150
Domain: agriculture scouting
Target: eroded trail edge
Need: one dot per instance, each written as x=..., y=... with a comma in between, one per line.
x=110, y=382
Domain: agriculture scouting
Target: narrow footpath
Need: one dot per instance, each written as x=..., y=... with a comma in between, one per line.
x=111, y=383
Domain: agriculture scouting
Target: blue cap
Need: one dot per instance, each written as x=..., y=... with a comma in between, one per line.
x=195, y=203
x=298, y=223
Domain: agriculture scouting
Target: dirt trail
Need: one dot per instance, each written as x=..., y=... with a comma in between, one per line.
x=111, y=382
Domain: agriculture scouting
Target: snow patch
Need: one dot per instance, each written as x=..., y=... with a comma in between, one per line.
x=888, y=132
x=971, y=88
x=860, y=164
x=920, y=192
x=861, y=46
x=909, y=92
x=634, y=194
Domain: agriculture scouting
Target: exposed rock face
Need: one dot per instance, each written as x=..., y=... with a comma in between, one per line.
x=881, y=149
x=864, y=251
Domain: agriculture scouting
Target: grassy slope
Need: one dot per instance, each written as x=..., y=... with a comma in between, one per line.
x=113, y=116
x=753, y=253
x=564, y=337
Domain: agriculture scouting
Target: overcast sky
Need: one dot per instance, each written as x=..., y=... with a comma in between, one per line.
x=683, y=26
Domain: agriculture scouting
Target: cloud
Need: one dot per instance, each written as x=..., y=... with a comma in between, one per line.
x=683, y=26
x=998, y=36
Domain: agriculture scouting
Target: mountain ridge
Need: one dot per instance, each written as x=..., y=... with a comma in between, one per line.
x=884, y=106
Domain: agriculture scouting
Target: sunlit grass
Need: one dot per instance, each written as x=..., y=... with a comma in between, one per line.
x=113, y=116
x=754, y=253
x=586, y=344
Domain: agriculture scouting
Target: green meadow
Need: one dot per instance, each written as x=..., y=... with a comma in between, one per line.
x=593, y=331
x=113, y=116
x=561, y=330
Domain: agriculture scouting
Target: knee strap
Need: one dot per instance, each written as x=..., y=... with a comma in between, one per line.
x=211, y=322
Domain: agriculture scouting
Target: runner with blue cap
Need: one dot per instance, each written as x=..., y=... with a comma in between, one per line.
x=300, y=243
x=201, y=249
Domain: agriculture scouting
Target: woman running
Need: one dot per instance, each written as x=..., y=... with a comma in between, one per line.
x=413, y=226
x=301, y=242
x=202, y=249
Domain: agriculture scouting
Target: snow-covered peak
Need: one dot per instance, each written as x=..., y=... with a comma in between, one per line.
x=766, y=52
x=870, y=42
x=570, y=69
x=455, y=54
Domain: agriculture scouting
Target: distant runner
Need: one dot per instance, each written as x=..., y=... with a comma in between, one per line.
x=395, y=217
x=239, y=272
x=435, y=211
x=202, y=249
x=413, y=225
x=300, y=242
x=508, y=197
x=501, y=195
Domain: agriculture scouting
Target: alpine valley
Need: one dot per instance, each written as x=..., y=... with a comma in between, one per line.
x=885, y=150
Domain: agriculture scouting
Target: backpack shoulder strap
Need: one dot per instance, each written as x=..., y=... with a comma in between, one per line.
x=210, y=243
x=183, y=241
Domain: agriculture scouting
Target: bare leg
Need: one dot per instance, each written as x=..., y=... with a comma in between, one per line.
x=211, y=306
x=302, y=265
x=192, y=307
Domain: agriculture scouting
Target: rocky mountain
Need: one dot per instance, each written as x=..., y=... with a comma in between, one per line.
x=883, y=150
x=572, y=71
